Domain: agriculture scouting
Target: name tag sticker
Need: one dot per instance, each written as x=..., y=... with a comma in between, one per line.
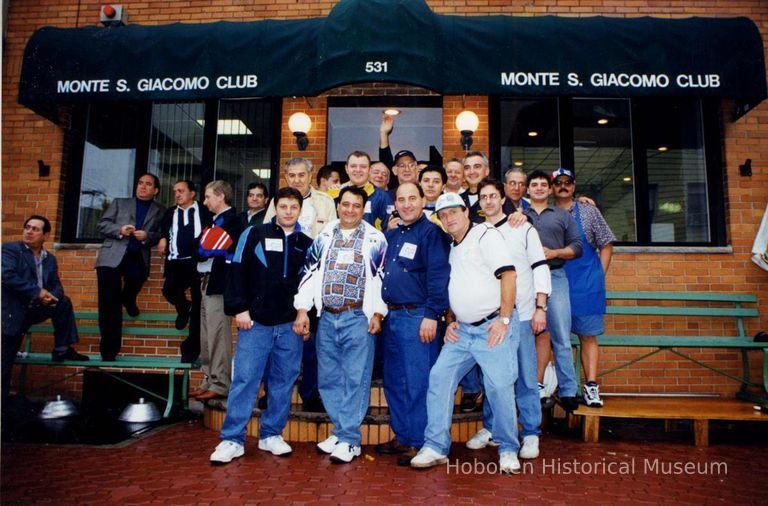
x=274, y=245
x=345, y=257
x=408, y=251
x=367, y=207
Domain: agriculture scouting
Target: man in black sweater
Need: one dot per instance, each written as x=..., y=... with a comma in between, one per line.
x=264, y=277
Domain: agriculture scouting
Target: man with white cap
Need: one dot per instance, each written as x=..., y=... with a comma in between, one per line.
x=481, y=293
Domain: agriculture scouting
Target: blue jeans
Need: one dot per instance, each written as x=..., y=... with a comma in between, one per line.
x=499, y=369
x=559, y=325
x=526, y=386
x=280, y=346
x=344, y=362
x=407, y=362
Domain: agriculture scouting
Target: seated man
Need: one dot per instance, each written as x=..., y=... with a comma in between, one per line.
x=32, y=293
x=481, y=293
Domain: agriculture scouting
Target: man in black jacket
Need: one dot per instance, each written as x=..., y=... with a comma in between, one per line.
x=264, y=277
x=181, y=227
x=215, y=251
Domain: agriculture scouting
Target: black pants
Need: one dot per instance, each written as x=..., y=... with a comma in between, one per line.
x=64, y=333
x=181, y=275
x=117, y=286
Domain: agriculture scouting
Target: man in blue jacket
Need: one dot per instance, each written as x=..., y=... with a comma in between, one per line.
x=32, y=292
x=263, y=279
x=416, y=292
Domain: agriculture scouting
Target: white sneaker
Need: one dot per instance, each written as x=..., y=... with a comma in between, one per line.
x=508, y=463
x=328, y=445
x=226, y=451
x=530, y=448
x=427, y=457
x=276, y=446
x=591, y=395
x=343, y=453
x=482, y=439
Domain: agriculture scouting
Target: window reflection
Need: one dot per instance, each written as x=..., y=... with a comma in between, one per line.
x=109, y=162
x=176, y=145
x=677, y=179
x=529, y=135
x=602, y=151
x=244, y=139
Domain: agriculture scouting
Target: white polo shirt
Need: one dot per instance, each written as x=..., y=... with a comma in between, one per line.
x=477, y=262
x=530, y=265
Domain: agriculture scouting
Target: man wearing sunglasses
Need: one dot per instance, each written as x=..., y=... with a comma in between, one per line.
x=586, y=277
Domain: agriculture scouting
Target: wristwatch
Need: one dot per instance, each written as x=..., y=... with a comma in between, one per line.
x=505, y=320
x=543, y=308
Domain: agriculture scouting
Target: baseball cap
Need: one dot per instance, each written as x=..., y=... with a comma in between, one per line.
x=402, y=153
x=448, y=200
x=563, y=172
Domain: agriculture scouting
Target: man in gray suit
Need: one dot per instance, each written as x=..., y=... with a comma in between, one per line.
x=130, y=227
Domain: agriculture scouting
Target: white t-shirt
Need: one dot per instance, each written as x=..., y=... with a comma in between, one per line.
x=524, y=244
x=474, y=289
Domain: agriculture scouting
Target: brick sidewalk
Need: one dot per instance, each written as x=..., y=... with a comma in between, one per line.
x=171, y=467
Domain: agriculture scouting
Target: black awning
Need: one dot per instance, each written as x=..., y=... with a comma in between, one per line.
x=397, y=41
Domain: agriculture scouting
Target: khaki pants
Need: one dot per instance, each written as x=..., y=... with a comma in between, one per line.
x=215, y=344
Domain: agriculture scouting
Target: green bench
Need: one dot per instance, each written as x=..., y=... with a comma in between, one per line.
x=687, y=304
x=130, y=329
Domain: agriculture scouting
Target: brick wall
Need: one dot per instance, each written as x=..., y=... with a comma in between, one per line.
x=28, y=138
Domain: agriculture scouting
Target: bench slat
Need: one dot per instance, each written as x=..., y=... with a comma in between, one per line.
x=123, y=362
x=677, y=341
x=701, y=296
x=127, y=331
x=682, y=311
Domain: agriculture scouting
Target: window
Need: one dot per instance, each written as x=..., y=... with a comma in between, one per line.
x=353, y=124
x=529, y=135
x=244, y=146
x=110, y=145
x=176, y=145
x=109, y=157
x=652, y=165
x=602, y=161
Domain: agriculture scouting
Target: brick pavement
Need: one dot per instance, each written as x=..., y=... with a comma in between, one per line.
x=171, y=467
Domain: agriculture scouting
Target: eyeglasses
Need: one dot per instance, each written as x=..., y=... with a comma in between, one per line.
x=515, y=184
x=563, y=182
x=490, y=196
x=408, y=165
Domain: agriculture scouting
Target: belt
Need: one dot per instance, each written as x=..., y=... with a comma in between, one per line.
x=337, y=310
x=395, y=307
x=486, y=319
x=554, y=268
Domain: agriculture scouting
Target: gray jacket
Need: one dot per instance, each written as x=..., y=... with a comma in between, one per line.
x=123, y=212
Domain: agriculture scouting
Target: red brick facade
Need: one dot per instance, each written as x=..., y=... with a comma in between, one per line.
x=28, y=138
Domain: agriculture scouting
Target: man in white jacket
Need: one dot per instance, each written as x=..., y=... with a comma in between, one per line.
x=343, y=281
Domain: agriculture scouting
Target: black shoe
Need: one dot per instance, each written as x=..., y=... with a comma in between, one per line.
x=262, y=404
x=314, y=405
x=70, y=354
x=471, y=402
x=188, y=359
x=569, y=404
x=131, y=308
x=393, y=447
x=183, y=316
x=108, y=358
x=404, y=459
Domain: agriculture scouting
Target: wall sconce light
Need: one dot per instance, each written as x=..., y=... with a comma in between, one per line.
x=299, y=124
x=43, y=170
x=467, y=123
x=746, y=169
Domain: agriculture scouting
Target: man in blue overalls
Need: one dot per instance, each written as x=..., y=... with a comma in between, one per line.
x=586, y=277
